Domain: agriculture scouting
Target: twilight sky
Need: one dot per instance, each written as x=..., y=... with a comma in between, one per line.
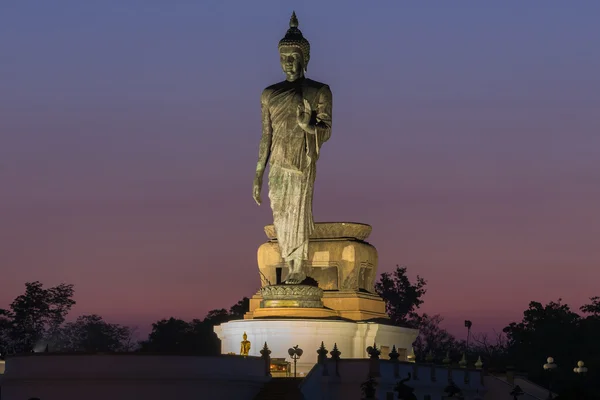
x=466, y=134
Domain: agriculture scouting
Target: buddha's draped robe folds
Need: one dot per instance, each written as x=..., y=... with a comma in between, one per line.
x=293, y=157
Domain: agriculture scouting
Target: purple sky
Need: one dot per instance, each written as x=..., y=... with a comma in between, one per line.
x=467, y=135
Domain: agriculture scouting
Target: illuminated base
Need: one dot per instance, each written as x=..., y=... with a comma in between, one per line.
x=346, y=304
x=293, y=312
x=352, y=338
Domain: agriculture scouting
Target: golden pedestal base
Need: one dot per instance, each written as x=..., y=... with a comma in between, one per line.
x=339, y=259
x=336, y=260
x=291, y=312
x=356, y=306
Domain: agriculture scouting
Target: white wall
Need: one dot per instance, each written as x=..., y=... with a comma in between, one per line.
x=352, y=338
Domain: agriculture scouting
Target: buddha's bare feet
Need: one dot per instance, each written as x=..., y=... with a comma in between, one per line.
x=295, y=278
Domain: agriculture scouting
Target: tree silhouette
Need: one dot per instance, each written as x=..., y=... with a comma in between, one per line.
x=433, y=339
x=401, y=297
x=493, y=352
x=240, y=308
x=174, y=336
x=36, y=316
x=195, y=337
x=537, y=334
x=554, y=330
x=593, y=308
x=90, y=333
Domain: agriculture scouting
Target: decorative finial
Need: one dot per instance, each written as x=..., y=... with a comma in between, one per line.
x=373, y=351
x=335, y=353
x=394, y=355
x=550, y=365
x=479, y=363
x=265, y=351
x=447, y=360
x=322, y=352
x=581, y=368
x=412, y=357
x=463, y=361
x=293, y=20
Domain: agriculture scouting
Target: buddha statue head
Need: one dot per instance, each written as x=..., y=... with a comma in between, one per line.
x=294, y=51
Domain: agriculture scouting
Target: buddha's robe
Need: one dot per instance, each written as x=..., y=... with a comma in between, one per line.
x=293, y=157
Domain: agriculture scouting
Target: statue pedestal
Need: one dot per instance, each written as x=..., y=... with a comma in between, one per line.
x=280, y=334
x=340, y=260
x=344, y=309
x=348, y=304
x=297, y=301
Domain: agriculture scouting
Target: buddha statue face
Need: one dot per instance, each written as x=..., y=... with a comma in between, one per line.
x=244, y=336
x=292, y=62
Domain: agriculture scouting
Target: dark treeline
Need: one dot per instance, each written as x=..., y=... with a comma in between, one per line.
x=35, y=321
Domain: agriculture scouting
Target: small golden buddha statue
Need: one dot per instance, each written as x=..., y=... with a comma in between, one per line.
x=245, y=346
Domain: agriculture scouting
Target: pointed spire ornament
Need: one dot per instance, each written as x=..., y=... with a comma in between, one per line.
x=322, y=358
x=265, y=350
x=479, y=363
x=322, y=352
x=266, y=356
x=411, y=356
x=373, y=351
x=335, y=356
x=335, y=353
x=293, y=20
x=463, y=361
x=394, y=355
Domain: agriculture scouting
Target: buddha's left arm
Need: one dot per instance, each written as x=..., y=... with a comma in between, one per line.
x=323, y=117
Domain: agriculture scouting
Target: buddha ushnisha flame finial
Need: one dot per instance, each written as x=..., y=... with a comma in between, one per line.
x=293, y=20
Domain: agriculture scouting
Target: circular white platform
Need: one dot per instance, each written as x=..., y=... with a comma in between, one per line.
x=352, y=338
